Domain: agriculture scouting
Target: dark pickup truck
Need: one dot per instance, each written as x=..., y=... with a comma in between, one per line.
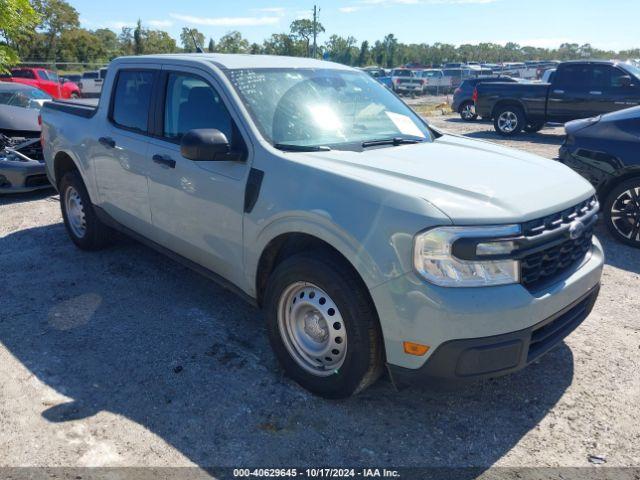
x=579, y=89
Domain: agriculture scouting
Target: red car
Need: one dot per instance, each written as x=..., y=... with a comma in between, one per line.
x=45, y=80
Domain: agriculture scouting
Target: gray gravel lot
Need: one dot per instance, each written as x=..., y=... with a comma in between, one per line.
x=125, y=358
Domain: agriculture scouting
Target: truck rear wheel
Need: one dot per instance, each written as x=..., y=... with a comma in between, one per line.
x=83, y=226
x=322, y=325
x=509, y=120
x=467, y=112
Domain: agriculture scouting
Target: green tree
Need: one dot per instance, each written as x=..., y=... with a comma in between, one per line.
x=233, y=42
x=157, y=41
x=125, y=41
x=109, y=42
x=212, y=46
x=391, y=48
x=363, y=57
x=341, y=49
x=283, y=44
x=302, y=29
x=186, y=39
x=56, y=16
x=138, y=42
x=79, y=45
x=17, y=21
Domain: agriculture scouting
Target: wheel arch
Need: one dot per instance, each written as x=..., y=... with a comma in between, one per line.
x=63, y=163
x=621, y=176
x=508, y=102
x=288, y=244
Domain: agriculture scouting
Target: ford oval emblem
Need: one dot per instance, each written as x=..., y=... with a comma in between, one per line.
x=576, y=229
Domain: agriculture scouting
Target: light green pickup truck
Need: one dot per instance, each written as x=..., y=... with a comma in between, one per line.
x=368, y=238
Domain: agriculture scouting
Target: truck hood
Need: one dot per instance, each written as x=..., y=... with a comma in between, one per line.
x=471, y=181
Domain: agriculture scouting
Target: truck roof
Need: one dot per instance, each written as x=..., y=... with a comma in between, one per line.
x=236, y=61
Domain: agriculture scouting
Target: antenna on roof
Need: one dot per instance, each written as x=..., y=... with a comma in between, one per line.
x=199, y=48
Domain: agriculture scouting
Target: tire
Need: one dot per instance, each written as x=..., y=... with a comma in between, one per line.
x=334, y=314
x=466, y=112
x=533, y=127
x=622, y=212
x=80, y=220
x=74, y=95
x=509, y=120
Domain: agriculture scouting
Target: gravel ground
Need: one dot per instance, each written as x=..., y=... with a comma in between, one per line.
x=124, y=358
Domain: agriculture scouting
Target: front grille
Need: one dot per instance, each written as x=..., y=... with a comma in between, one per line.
x=562, y=252
x=545, y=337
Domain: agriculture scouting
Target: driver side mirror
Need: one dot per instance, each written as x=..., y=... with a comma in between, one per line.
x=626, y=81
x=206, y=145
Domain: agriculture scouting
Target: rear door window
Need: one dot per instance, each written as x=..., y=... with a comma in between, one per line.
x=131, y=99
x=573, y=77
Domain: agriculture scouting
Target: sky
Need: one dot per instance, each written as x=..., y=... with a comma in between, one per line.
x=611, y=24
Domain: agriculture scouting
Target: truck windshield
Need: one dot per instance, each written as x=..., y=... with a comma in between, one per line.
x=333, y=108
x=632, y=69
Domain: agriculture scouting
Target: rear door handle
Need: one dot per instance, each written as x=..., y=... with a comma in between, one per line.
x=164, y=160
x=595, y=92
x=107, y=142
x=559, y=92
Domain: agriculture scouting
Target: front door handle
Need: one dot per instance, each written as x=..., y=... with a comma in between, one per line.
x=107, y=142
x=164, y=160
x=595, y=92
x=559, y=92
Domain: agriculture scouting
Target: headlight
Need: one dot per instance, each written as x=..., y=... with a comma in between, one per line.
x=434, y=260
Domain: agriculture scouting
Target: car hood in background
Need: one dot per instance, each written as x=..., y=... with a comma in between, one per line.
x=472, y=182
x=19, y=118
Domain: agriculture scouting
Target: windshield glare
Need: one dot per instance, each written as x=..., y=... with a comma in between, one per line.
x=311, y=107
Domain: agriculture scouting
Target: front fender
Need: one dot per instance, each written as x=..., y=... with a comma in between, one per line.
x=319, y=225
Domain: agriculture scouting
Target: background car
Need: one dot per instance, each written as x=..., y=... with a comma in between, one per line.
x=462, y=101
x=21, y=161
x=46, y=80
x=404, y=80
x=91, y=83
x=548, y=75
x=434, y=81
x=604, y=150
x=73, y=77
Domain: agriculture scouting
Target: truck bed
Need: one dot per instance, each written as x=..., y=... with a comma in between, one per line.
x=532, y=96
x=85, y=107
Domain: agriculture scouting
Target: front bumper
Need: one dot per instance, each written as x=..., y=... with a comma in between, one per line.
x=22, y=176
x=460, y=361
x=452, y=320
x=408, y=88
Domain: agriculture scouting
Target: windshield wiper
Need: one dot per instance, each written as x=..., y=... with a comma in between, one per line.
x=390, y=141
x=286, y=147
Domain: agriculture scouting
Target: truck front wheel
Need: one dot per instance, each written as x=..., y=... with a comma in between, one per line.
x=509, y=120
x=322, y=325
x=83, y=226
x=622, y=212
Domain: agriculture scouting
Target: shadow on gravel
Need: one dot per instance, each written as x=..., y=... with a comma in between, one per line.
x=616, y=253
x=26, y=197
x=128, y=331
